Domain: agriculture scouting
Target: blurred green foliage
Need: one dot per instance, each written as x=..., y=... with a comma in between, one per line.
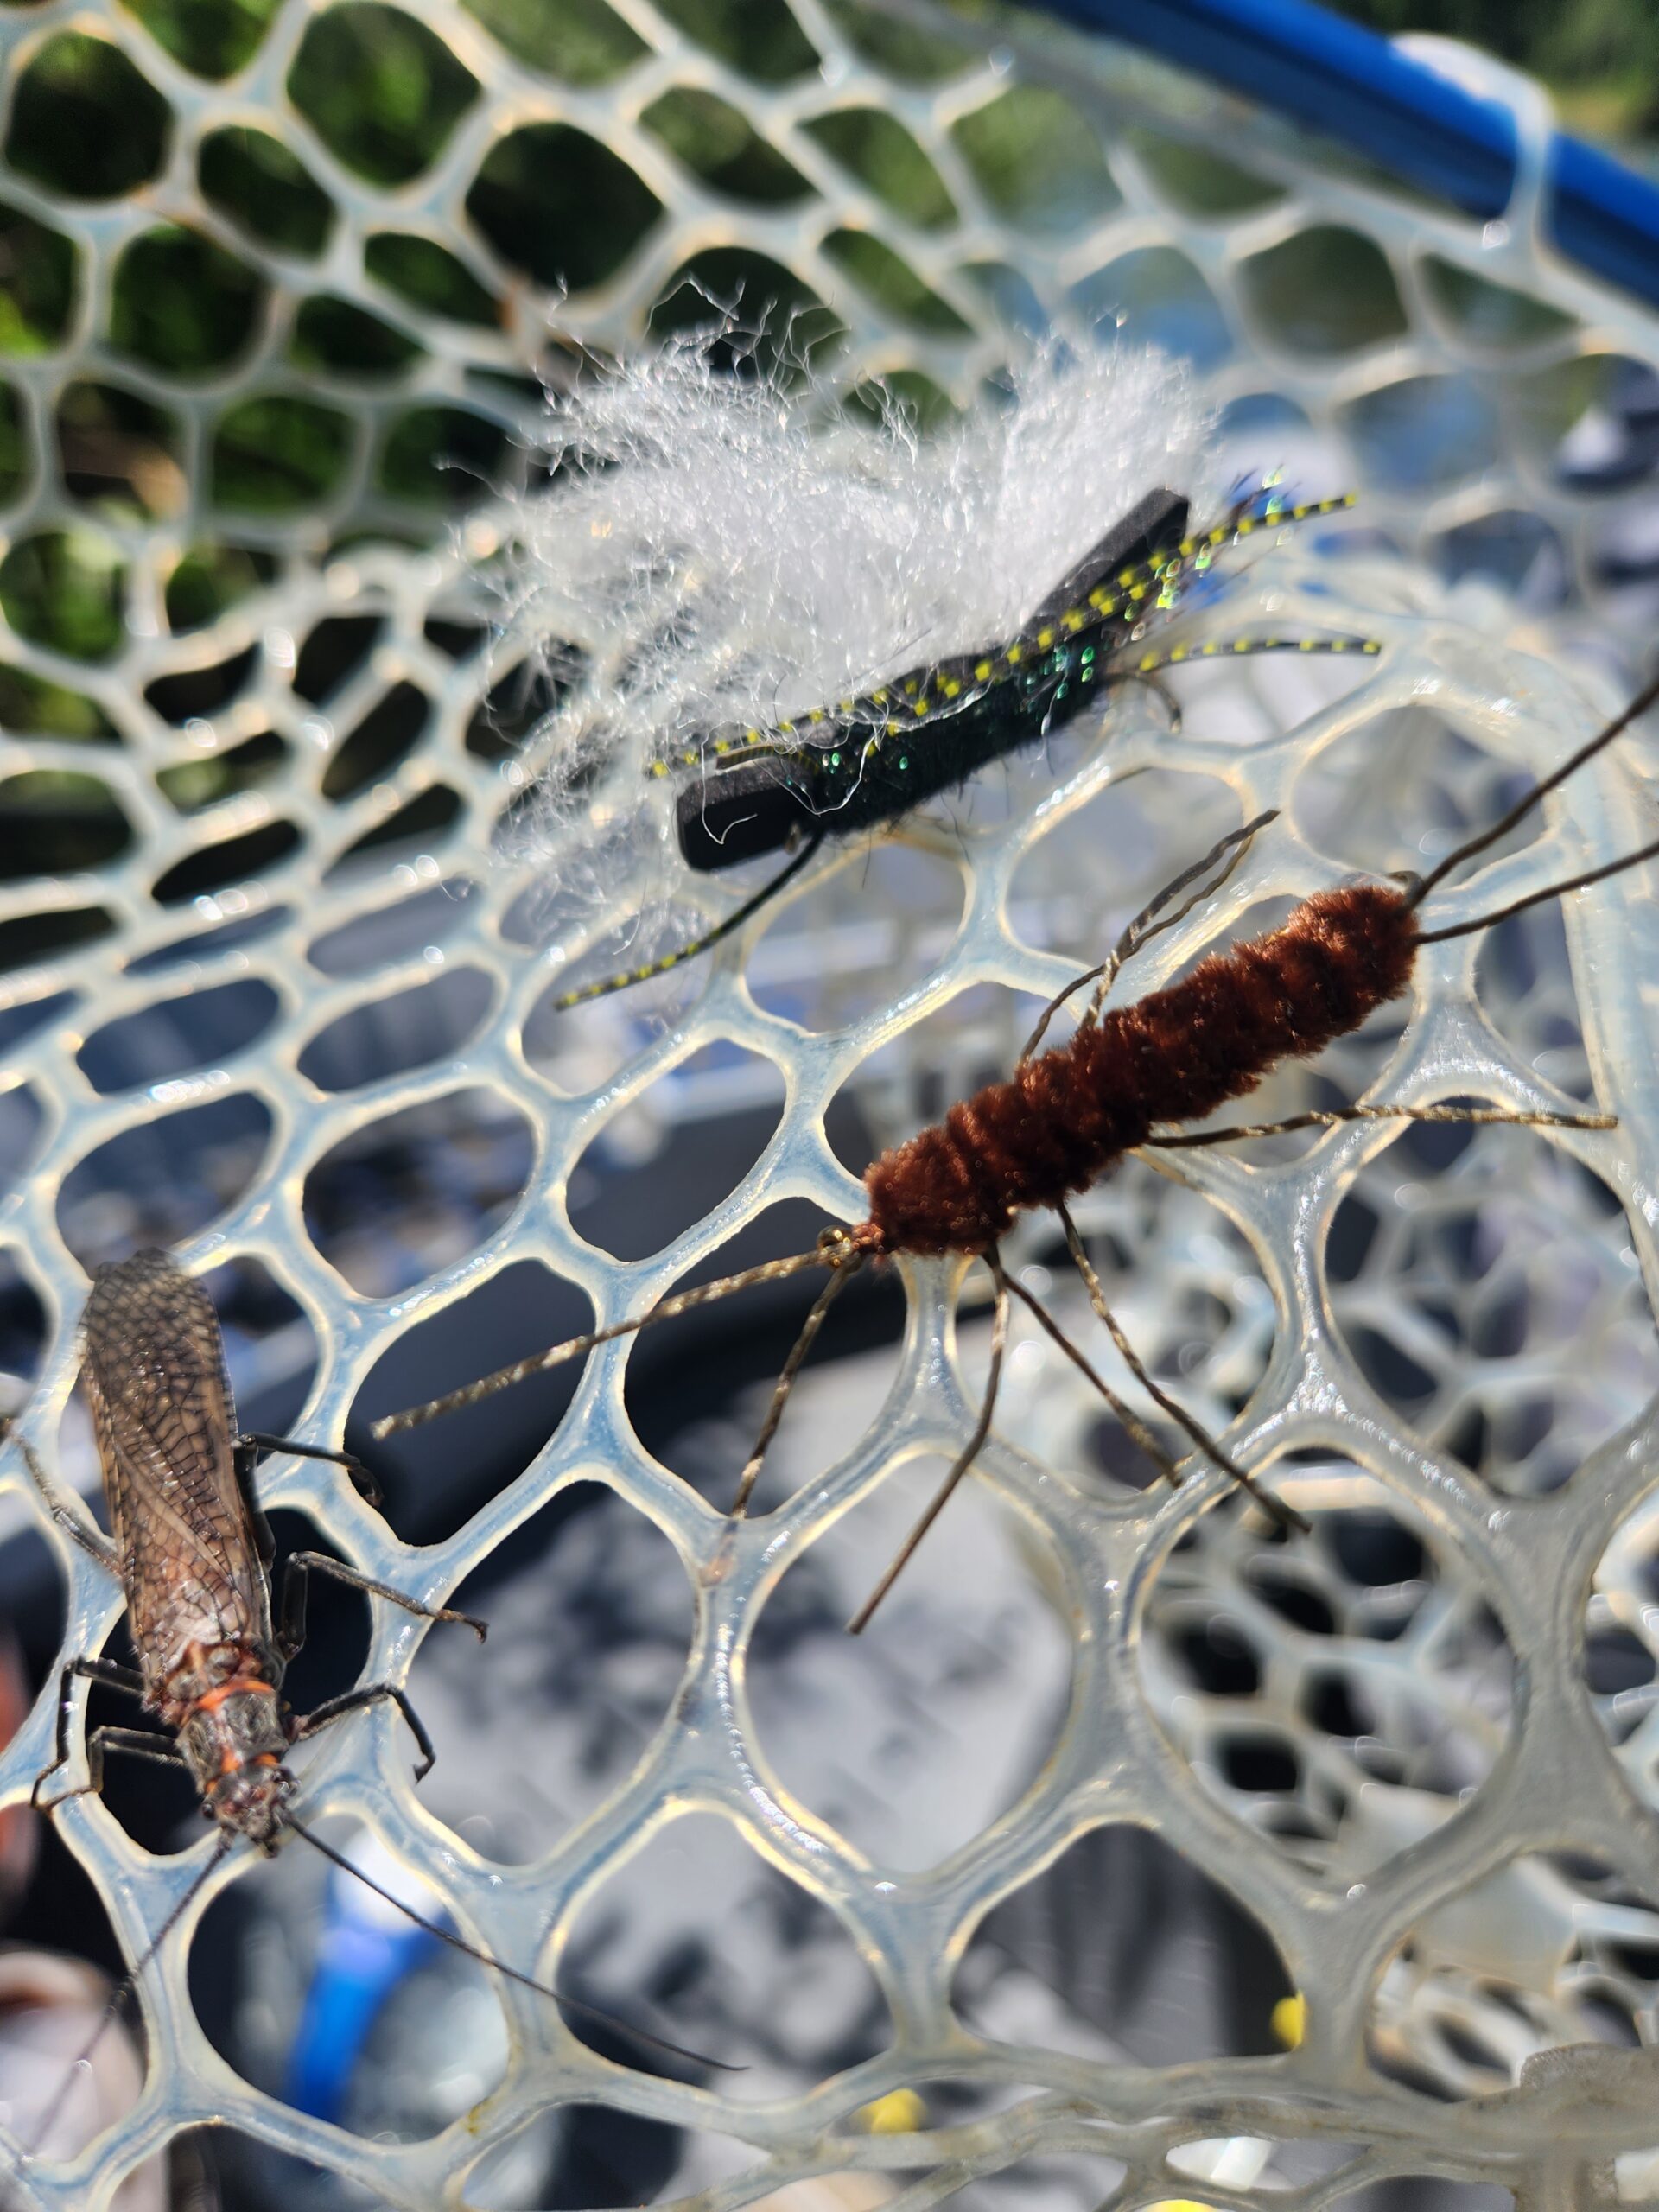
x=180, y=303
x=1327, y=290
x=53, y=820
x=16, y=462
x=38, y=282
x=556, y=203
x=429, y=275
x=380, y=90
x=716, y=142
x=1600, y=58
x=279, y=454
x=193, y=784
x=442, y=455
x=759, y=38
x=583, y=42
x=211, y=578
x=211, y=38
x=33, y=706
x=885, y=277
x=264, y=188
x=876, y=149
x=1036, y=159
x=85, y=122
x=335, y=337
x=65, y=590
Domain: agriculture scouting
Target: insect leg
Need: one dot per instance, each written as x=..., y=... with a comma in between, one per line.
x=335, y=1708
x=252, y=1441
x=91, y=1541
x=291, y=1635
x=964, y=1459
x=1328, y=1118
x=91, y=1670
x=1185, y=656
x=1283, y=1514
x=136, y=1742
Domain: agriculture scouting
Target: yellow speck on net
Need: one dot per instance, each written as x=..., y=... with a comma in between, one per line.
x=1288, y=2020
x=901, y=2112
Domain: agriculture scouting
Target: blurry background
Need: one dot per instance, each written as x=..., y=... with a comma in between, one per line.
x=278, y=285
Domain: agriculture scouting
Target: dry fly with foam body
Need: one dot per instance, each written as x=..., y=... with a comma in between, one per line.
x=798, y=632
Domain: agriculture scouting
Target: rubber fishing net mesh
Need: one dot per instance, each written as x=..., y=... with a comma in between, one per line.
x=274, y=287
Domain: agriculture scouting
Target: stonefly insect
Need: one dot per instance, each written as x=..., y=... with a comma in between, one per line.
x=867, y=761
x=193, y=1551
x=1128, y=1078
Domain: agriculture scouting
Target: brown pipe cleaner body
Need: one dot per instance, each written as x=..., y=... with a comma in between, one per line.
x=1175, y=1056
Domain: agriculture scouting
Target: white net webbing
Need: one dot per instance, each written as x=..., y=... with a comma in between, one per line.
x=254, y=915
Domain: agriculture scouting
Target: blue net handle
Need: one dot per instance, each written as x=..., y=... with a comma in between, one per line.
x=1361, y=90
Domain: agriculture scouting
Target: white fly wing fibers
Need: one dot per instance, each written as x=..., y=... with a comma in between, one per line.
x=721, y=549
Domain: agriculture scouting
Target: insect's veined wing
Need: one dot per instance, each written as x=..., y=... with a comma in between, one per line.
x=154, y=1367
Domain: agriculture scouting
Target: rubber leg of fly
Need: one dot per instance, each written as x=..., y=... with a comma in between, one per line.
x=291, y=1635
x=1481, y=1116
x=1538, y=898
x=682, y=1301
x=1135, y=1428
x=696, y=946
x=964, y=1459
x=1283, y=1514
x=1647, y=698
x=843, y=1273
x=1147, y=925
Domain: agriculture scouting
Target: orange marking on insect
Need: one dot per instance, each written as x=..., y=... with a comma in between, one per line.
x=215, y=1698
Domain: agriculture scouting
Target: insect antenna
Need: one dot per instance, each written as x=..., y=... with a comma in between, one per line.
x=627, y=976
x=959, y=1465
x=537, y=1362
x=122, y=1991
x=593, y=2012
